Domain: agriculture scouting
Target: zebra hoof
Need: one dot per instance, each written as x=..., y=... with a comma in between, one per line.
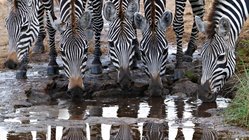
x=96, y=69
x=52, y=70
x=38, y=48
x=10, y=64
x=21, y=74
x=178, y=74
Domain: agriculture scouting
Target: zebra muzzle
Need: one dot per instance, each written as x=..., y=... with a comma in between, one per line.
x=155, y=86
x=75, y=88
x=11, y=62
x=124, y=79
x=205, y=93
x=76, y=93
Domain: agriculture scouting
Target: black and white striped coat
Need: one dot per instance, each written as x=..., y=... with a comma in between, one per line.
x=218, y=53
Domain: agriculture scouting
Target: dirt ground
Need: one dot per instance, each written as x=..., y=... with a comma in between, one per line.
x=188, y=20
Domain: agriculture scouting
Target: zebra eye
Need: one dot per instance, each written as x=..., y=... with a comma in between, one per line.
x=62, y=53
x=221, y=57
x=135, y=42
x=111, y=44
x=86, y=50
x=165, y=51
x=142, y=52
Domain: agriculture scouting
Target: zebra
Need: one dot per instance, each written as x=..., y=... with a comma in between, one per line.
x=13, y=27
x=74, y=26
x=123, y=131
x=95, y=6
x=122, y=37
x=156, y=131
x=74, y=133
x=25, y=25
x=218, y=53
x=178, y=27
x=154, y=46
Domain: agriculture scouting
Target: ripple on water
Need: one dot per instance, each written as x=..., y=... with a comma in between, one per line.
x=132, y=117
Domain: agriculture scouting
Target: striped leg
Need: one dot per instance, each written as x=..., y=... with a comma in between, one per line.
x=198, y=9
x=29, y=33
x=53, y=67
x=98, y=22
x=137, y=55
x=178, y=26
x=39, y=46
x=23, y=46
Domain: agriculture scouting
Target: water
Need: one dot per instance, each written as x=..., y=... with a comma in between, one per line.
x=102, y=118
x=98, y=118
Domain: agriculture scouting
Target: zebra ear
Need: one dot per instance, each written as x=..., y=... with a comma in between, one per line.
x=132, y=8
x=224, y=27
x=140, y=22
x=89, y=34
x=201, y=25
x=109, y=11
x=165, y=21
x=85, y=20
x=56, y=24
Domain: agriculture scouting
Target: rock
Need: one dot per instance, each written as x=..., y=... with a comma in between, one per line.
x=108, y=93
x=180, y=95
x=170, y=68
x=186, y=87
x=179, y=74
x=37, y=98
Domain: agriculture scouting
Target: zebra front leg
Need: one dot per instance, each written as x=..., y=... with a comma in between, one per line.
x=53, y=67
x=96, y=67
x=22, y=55
x=178, y=26
x=198, y=10
x=22, y=70
x=98, y=22
x=39, y=45
x=137, y=55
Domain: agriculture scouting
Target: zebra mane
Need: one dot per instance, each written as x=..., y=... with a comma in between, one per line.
x=153, y=11
x=211, y=27
x=120, y=12
x=122, y=7
x=15, y=3
x=73, y=17
x=153, y=14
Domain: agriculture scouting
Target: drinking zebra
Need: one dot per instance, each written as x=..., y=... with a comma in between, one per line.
x=122, y=37
x=218, y=53
x=154, y=46
x=73, y=25
x=22, y=23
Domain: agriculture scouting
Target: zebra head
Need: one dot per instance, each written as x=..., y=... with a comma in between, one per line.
x=16, y=23
x=73, y=47
x=154, y=49
x=218, y=59
x=122, y=38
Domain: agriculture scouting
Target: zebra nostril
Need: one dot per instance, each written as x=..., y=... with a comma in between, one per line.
x=69, y=93
x=76, y=93
x=205, y=94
